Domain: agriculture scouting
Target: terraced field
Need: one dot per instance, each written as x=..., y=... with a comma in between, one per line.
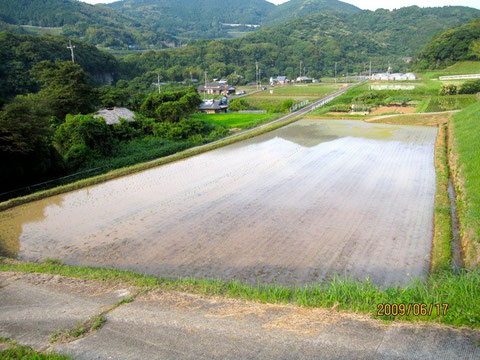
x=294, y=206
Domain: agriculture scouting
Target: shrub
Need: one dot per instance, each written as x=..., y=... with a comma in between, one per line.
x=371, y=97
x=449, y=89
x=239, y=104
x=86, y=130
x=470, y=87
x=340, y=108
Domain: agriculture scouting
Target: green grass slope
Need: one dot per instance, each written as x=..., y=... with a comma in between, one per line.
x=465, y=159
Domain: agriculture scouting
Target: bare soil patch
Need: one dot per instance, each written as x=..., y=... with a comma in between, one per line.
x=393, y=109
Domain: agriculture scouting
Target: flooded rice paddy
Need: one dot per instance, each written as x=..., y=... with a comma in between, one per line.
x=294, y=206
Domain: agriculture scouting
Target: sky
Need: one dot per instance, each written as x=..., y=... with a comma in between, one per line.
x=374, y=4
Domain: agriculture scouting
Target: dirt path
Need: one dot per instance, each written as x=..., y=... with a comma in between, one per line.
x=174, y=325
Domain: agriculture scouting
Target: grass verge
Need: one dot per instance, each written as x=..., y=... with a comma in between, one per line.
x=142, y=166
x=461, y=292
x=15, y=351
x=464, y=159
x=441, y=255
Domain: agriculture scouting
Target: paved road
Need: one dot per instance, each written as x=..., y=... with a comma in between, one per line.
x=174, y=325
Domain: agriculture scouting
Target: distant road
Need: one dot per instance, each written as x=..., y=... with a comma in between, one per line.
x=299, y=113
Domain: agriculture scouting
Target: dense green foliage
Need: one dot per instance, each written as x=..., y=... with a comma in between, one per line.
x=448, y=47
x=239, y=104
x=19, y=53
x=470, y=87
x=97, y=25
x=171, y=106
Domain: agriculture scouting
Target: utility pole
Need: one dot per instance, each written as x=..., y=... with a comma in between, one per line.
x=301, y=63
x=159, y=86
x=259, y=77
x=71, y=47
x=256, y=73
x=370, y=72
x=335, y=72
x=205, y=87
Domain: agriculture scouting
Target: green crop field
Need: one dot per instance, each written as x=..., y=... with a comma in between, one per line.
x=276, y=99
x=274, y=103
x=236, y=120
x=446, y=103
x=421, y=91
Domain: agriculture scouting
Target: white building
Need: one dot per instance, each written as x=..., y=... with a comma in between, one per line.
x=394, y=77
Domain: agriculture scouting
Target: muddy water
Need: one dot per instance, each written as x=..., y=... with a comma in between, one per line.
x=294, y=206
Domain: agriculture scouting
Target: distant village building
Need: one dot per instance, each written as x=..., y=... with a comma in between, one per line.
x=280, y=80
x=394, y=77
x=113, y=115
x=217, y=88
x=214, y=106
x=304, y=79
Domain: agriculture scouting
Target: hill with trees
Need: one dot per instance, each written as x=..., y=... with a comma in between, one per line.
x=319, y=41
x=457, y=44
x=98, y=25
x=195, y=19
x=301, y=8
x=19, y=53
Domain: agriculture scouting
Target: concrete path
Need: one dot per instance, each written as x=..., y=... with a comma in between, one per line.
x=174, y=325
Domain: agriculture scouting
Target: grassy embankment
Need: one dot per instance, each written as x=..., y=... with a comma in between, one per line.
x=459, y=68
x=464, y=156
x=461, y=292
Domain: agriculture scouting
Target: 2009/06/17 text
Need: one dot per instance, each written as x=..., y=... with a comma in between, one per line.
x=415, y=309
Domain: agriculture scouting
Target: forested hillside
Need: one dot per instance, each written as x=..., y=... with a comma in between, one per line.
x=318, y=40
x=457, y=44
x=18, y=53
x=301, y=8
x=195, y=19
x=97, y=25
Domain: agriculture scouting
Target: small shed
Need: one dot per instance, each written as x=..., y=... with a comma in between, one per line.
x=113, y=115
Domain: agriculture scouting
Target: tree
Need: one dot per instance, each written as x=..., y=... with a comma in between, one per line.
x=84, y=136
x=25, y=151
x=64, y=87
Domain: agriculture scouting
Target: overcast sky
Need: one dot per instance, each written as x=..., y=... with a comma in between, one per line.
x=375, y=4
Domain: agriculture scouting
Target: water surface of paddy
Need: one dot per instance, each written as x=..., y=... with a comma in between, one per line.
x=293, y=206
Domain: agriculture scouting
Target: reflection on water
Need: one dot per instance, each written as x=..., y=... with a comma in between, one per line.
x=311, y=198
x=12, y=221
